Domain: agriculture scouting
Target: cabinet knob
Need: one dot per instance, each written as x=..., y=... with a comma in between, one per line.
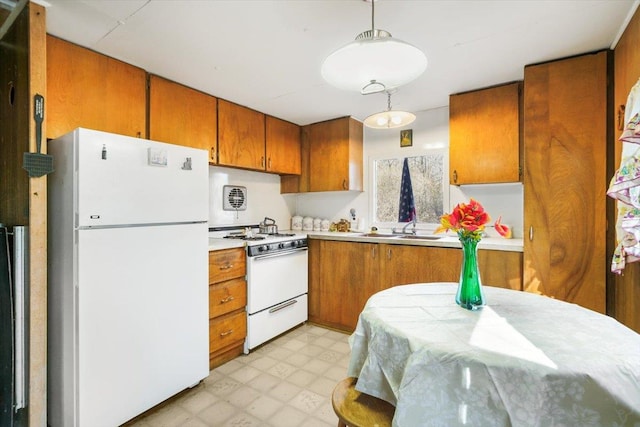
x=225, y=333
x=531, y=233
x=455, y=176
x=262, y=162
x=389, y=253
x=344, y=184
x=269, y=163
x=226, y=267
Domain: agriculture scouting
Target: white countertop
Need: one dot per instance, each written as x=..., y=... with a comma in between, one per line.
x=218, y=244
x=491, y=243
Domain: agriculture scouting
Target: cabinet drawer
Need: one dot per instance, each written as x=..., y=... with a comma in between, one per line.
x=227, y=330
x=226, y=297
x=226, y=264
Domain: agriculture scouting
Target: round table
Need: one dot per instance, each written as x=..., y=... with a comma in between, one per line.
x=523, y=360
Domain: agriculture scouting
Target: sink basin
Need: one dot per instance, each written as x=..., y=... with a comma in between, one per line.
x=419, y=237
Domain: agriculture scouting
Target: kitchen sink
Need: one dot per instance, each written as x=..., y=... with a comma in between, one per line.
x=419, y=237
x=379, y=235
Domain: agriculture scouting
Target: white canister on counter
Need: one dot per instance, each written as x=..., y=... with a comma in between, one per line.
x=296, y=223
x=307, y=223
x=324, y=225
x=316, y=224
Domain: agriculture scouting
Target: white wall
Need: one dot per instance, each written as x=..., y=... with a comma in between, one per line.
x=263, y=198
x=430, y=130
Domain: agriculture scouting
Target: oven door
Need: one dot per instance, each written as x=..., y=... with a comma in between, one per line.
x=275, y=278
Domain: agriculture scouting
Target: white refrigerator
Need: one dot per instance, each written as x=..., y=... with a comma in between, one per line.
x=127, y=276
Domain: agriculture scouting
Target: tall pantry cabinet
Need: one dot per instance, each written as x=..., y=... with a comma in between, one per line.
x=566, y=125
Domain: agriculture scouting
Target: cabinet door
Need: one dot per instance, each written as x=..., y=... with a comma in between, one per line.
x=87, y=89
x=343, y=275
x=335, y=156
x=405, y=264
x=282, y=146
x=241, y=137
x=484, y=129
x=498, y=268
x=565, y=139
x=183, y=116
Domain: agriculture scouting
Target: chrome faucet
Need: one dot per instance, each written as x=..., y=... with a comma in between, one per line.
x=404, y=228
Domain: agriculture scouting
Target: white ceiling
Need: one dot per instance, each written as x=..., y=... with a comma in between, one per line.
x=267, y=54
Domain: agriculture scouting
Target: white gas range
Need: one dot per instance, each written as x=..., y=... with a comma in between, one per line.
x=277, y=282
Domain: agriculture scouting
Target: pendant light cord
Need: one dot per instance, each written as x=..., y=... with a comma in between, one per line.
x=373, y=27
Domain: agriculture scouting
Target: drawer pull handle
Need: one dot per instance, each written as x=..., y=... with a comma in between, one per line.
x=227, y=299
x=285, y=305
x=226, y=267
x=224, y=334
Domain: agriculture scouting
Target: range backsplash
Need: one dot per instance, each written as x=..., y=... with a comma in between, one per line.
x=263, y=198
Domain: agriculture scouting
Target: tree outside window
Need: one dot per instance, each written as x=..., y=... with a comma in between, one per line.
x=427, y=176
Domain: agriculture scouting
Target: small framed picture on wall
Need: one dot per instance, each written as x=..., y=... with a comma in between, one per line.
x=406, y=138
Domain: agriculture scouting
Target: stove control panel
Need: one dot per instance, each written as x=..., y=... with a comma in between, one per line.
x=269, y=248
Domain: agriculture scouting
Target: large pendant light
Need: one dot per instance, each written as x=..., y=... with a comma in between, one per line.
x=374, y=62
x=389, y=119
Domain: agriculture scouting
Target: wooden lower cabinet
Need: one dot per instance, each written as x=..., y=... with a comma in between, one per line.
x=343, y=275
x=227, y=302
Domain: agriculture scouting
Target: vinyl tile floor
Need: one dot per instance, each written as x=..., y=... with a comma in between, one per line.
x=284, y=383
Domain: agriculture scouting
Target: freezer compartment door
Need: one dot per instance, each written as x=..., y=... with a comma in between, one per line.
x=124, y=180
x=142, y=319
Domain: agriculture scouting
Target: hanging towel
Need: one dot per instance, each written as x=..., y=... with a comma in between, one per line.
x=407, y=210
x=625, y=187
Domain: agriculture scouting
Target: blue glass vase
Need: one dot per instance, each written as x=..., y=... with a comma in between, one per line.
x=469, y=293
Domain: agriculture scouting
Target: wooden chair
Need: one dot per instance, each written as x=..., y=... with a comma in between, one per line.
x=356, y=409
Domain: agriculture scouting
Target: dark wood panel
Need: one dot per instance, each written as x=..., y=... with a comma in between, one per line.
x=15, y=120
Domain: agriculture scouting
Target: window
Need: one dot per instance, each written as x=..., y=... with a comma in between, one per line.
x=428, y=182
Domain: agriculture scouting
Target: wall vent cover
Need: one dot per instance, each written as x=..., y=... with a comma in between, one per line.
x=234, y=198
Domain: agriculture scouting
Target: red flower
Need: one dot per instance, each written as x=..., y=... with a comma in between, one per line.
x=468, y=220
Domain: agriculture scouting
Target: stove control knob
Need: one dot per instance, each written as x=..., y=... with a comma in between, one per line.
x=281, y=245
x=263, y=248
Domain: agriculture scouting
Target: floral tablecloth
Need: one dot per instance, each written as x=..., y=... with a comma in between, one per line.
x=523, y=360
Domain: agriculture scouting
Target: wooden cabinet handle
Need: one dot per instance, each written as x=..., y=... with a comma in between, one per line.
x=262, y=162
x=373, y=252
x=226, y=267
x=389, y=253
x=213, y=153
x=531, y=233
x=455, y=176
x=225, y=333
x=269, y=164
x=344, y=184
x=227, y=299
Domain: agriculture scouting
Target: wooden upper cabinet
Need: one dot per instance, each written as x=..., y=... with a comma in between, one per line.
x=335, y=155
x=567, y=121
x=484, y=135
x=282, y=146
x=90, y=90
x=241, y=136
x=183, y=116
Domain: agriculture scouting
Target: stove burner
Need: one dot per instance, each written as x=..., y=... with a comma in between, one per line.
x=242, y=237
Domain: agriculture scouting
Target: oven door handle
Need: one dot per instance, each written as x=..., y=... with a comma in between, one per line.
x=281, y=306
x=278, y=254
